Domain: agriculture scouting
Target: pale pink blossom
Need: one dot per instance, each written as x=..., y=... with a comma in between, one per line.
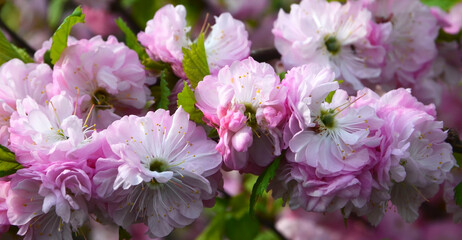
x=160, y=171
x=4, y=223
x=410, y=45
x=330, y=34
x=50, y=201
x=19, y=81
x=166, y=35
x=226, y=43
x=245, y=102
x=105, y=77
x=49, y=133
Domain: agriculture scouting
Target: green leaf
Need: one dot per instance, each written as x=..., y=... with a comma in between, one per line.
x=55, y=12
x=143, y=10
x=443, y=4
x=131, y=40
x=446, y=37
x=163, y=101
x=187, y=99
x=331, y=94
x=213, y=133
x=282, y=75
x=8, y=164
x=215, y=229
x=10, y=14
x=23, y=55
x=9, y=51
x=245, y=227
x=123, y=234
x=458, y=194
x=260, y=186
x=329, y=97
x=458, y=157
x=62, y=33
x=267, y=235
x=195, y=64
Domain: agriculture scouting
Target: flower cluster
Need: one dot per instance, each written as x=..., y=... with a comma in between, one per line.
x=357, y=153
x=364, y=42
x=92, y=138
x=82, y=160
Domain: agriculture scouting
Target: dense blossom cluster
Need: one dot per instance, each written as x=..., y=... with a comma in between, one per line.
x=92, y=147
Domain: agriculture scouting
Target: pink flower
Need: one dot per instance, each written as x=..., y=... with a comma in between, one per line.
x=166, y=35
x=450, y=22
x=330, y=34
x=160, y=171
x=106, y=76
x=100, y=21
x=50, y=201
x=226, y=43
x=340, y=138
x=306, y=85
x=46, y=45
x=300, y=186
x=413, y=159
x=49, y=133
x=4, y=223
x=245, y=102
x=411, y=42
x=19, y=81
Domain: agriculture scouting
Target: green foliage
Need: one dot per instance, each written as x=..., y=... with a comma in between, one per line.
x=331, y=94
x=458, y=194
x=260, y=186
x=8, y=164
x=215, y=229
x=10, y=14
x=23, y=55
x=9, y=51
x=267, y=235
x=241, y=227
x=123, y=234
x=62, y=33
x=443, y=4
x=458, y=157
x=187, y=99
x=144, y=10
x=55, y=12
x=282, y=75
x=131, y=40
x=446, y=37
x=195, y=64
x=163, y=101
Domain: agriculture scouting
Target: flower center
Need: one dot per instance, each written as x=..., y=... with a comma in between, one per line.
x=158, y=165
x=332, y=44
x=250, y=113
x=101, y=99
x=325, y=121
